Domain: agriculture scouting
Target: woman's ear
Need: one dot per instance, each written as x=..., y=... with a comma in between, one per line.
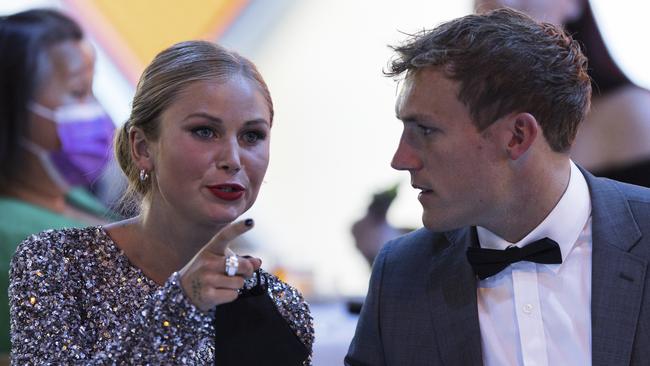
x=523, y=131
x=141, y=149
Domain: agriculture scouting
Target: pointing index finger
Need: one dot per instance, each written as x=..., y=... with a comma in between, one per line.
x=219, y=243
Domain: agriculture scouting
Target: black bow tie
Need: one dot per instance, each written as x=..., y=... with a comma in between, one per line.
x=488, y=262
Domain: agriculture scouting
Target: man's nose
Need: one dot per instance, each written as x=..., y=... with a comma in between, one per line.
x=406, y=157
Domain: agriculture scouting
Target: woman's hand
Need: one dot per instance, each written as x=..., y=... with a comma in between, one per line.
x=204, y=279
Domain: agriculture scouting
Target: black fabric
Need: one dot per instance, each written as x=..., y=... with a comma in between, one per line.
x=488, y=262
x=605, y=74
x=251, y=331
x=634, y=173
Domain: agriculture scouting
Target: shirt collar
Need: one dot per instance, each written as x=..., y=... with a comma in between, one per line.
x=564, y=223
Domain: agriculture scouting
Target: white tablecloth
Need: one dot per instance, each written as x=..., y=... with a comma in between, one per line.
x=334, y=327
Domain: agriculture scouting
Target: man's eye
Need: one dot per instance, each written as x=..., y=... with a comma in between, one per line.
x=203, y=132
x=425, y=130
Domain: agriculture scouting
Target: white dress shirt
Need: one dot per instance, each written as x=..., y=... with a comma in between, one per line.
x=539, y=314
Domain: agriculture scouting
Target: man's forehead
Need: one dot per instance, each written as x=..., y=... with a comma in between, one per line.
x=423, y=86
x=403, y=89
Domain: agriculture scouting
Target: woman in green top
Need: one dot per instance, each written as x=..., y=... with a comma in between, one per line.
x=54, y=137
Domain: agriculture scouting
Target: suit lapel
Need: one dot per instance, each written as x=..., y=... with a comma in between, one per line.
x=617, y=276
x=452, y=296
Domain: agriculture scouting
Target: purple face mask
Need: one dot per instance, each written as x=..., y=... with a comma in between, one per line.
x=86, y=135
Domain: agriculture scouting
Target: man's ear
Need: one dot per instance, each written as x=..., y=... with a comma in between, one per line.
x=141, y=152
x=523, y=130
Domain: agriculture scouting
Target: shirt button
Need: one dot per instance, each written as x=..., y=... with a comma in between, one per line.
x=528, y=308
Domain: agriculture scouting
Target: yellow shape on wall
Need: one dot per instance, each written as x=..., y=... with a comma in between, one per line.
x=134, y=31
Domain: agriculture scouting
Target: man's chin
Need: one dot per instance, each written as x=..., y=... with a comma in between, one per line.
x=438, y=224
x=430, y=223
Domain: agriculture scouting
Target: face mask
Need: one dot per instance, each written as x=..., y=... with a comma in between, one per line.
x=86, y=135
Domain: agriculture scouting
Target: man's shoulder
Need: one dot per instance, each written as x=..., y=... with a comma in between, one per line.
x=621, y=205
x=633, y=192
x=637, y=199
x=416, y=245
x=607, y=192
x=414, y=240
x=606, y=186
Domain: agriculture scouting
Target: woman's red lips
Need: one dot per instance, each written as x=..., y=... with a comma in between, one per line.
x=227, y=192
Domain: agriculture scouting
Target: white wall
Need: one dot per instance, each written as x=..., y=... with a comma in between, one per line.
x=335, y=129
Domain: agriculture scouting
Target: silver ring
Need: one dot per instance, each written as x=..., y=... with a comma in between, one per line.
x=232, y=264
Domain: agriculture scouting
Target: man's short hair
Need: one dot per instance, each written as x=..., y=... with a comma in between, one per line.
x=507, y=62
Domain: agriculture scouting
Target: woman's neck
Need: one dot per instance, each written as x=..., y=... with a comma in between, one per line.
x=159, y=242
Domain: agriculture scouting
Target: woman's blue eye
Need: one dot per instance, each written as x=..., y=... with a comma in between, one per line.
x=252, y=137
x=203, y=132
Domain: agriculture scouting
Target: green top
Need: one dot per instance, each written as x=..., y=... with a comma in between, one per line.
x=18, y=220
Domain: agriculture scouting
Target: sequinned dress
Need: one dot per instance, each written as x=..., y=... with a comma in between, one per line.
x=76, y=299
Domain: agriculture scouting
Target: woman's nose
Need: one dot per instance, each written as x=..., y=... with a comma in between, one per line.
x=228, y=158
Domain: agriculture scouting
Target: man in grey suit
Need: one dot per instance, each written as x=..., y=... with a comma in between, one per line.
x=525, y=258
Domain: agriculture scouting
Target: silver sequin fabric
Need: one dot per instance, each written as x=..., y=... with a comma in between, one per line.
x=77, y=300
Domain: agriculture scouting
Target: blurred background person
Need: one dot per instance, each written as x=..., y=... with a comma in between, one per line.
x=613, y=140
x=54, y=137
x=373, y=230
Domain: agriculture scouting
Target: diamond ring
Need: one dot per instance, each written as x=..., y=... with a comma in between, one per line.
x=232, y=264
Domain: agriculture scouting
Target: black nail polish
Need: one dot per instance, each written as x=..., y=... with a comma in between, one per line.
x=247, y=256
x=248, y=222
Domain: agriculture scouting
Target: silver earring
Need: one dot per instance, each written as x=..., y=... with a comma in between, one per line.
x=143, y=175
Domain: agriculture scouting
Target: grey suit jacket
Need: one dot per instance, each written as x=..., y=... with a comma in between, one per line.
x=421, y=305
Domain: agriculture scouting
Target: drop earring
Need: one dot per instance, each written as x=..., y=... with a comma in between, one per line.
x=143, y=175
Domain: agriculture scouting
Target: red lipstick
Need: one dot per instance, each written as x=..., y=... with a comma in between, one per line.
x=227, y=192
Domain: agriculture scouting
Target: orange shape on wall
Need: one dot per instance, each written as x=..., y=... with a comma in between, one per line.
x=134, y=31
